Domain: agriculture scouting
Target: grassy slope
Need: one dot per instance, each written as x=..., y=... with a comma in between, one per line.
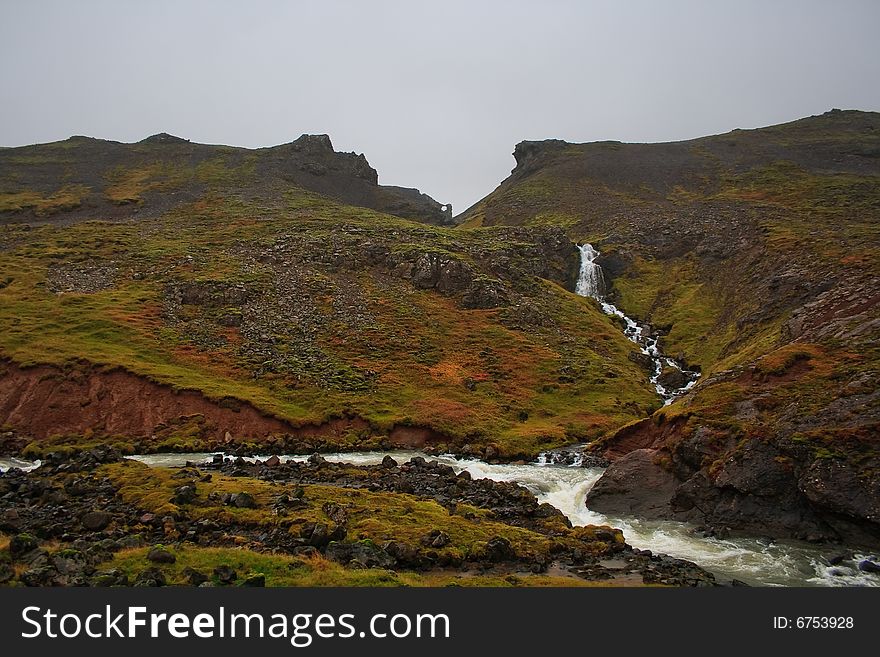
x=378, y=347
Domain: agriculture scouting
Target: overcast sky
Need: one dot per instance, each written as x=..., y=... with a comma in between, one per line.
x=436, y=94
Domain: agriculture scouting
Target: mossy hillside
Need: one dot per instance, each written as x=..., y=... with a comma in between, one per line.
x=376, y=345
x=799, y=395
x=66, y=197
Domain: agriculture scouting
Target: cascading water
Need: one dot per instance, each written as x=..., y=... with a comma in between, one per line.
x=591, y=283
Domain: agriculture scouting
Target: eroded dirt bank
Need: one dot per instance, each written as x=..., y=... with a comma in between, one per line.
x=44, y=402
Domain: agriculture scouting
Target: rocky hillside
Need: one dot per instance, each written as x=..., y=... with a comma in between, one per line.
x=85, y=178
x=755, y=255
x=168, y=295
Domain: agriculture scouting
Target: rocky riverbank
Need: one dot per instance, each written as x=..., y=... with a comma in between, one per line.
x=96, y=519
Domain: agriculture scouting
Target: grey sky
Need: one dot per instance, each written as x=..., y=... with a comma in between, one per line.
x=435, y=94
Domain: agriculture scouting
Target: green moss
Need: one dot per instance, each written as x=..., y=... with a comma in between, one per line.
x=67, y=197
x=281, y=570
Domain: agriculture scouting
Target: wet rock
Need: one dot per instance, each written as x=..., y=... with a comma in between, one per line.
x=837, y=559
x=96, y=520
x=868, y=566
x=160, y=555
x=388, y=462
x=272, y=462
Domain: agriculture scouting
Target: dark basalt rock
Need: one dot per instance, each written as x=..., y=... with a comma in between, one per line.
x=150, y=577
x=634, y=485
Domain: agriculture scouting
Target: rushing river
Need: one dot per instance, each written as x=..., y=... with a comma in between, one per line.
x=754, y=561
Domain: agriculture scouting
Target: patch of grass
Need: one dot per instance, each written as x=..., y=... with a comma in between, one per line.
x=68, y=197
x=282, y=570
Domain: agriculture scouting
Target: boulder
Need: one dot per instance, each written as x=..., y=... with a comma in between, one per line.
x=498, y=549
x=365, y=554
x=22, y=544
x=150, y=577
x=184, y=495
x=243, y=501
x=160, y=555
x=672, y=378
x=435, y=539
x=868, y=566
x=111, y=577
x=634, y=485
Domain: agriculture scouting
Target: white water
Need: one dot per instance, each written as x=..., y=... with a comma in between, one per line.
x=754, y=561
x=7, y=462
x=591, y=283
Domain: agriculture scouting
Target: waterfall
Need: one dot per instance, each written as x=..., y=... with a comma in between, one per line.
x=591, y=283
